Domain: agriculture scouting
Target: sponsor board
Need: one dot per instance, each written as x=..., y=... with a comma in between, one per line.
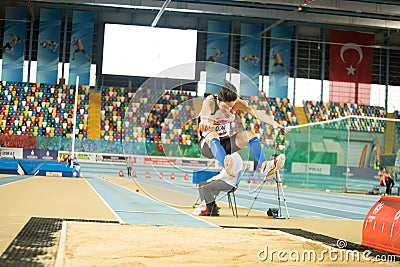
x=195, y=163
x=343, y=171
x=111, y=158
x=160, y=161
x=11, y=153
x=40, y=154
x=79, y=155
x=142, y=160
x=324, y=169
x=54, y=174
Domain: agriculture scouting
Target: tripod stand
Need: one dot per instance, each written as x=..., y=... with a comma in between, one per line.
x=278, y=181
x=279, y=187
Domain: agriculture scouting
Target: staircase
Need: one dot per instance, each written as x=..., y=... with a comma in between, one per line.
x=94, y=116
x=301, y=115
x=389, y=133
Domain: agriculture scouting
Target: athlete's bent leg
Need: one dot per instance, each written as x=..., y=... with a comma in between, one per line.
x=250, y=139
x=219, y=153
x=217, y=150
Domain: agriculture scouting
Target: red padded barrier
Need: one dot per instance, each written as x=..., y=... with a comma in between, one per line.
x=381, y=229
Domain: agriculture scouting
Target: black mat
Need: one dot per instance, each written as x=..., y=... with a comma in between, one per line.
x=37, y=243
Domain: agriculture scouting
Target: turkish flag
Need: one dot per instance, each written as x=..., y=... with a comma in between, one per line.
x=350, y=66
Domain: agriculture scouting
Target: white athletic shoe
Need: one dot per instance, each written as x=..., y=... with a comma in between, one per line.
x=228, y=164
x=269, y=167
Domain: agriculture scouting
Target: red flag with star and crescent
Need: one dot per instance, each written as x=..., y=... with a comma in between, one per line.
x=350, y=66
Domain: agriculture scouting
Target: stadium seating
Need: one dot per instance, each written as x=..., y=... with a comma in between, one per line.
x=39, y=109
x=181, y=126
x=114, y=101
x=318, y=111
x=147, y=119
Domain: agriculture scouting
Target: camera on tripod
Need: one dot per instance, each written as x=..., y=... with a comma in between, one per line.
x=272, y=211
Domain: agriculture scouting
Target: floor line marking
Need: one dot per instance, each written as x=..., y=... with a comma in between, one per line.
x=105, y=203
x=61, y=246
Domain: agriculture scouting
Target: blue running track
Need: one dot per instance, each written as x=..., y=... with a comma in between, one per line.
x=134, y=208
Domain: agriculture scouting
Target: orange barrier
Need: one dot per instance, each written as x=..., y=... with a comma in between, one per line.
x=381, y=228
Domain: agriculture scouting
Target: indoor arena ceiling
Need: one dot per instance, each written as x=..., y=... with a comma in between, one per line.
x=380, y=14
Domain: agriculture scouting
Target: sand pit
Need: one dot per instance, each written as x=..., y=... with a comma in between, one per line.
x=95, y=244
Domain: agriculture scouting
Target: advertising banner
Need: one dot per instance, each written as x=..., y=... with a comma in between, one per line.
x=81, y=47
x=11, y=153
x=217, y=55
x=40, y=154
x=48, y=46
x=324, y=169
x=250, y=55
x=14, y=44
x=279, y=64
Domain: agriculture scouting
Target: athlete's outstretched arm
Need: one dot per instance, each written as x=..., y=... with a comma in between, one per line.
x=259, y=114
